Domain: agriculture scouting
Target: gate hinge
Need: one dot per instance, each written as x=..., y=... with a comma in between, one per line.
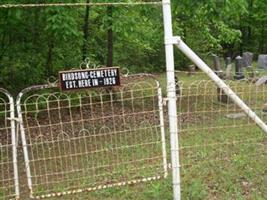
x=164, y=101
x=14, y=119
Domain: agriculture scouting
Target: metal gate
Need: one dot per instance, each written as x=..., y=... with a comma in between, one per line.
x=9, y=187
x=85, y=141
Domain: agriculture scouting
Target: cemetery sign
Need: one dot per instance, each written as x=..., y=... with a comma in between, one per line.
x=89, y=78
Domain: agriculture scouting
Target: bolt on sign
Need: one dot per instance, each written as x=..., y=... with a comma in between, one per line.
x=89, y=78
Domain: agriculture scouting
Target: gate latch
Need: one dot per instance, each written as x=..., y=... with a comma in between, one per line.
x=16, y=119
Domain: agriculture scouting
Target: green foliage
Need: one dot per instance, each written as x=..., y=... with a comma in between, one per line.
x=196, y=190
x=38, y=42
x=159, y=190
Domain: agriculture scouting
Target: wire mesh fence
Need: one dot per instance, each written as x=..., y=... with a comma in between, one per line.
x=91, y=140
x=86, y=141
x=8, y=162
x=219, y=144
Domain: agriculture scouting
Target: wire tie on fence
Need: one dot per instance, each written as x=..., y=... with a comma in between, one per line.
x=52, y=81
x=166, y=99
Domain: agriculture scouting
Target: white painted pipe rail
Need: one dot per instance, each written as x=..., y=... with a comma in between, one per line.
x=171, y=94
x=221, y=84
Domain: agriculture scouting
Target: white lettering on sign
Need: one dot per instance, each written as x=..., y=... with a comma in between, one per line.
x=85, y=75
x=75, y=76
x=84, y=83
x=109, y=81
x=95, y=82
x=98, y=74
x=70, y=84
x=89, y=78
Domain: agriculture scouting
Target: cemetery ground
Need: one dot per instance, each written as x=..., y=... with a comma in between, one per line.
x=221, y=157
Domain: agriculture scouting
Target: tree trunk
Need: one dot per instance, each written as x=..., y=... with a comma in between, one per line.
x=4, y=36
x=37, y=12
x=110, y=46
x=261, y=39
x=86, y=32
x=241, y=45
x=249, y=29
x=49, y=63
x=35, y=30
x=110, y=37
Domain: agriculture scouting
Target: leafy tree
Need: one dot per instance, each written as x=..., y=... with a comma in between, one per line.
x=36, y=43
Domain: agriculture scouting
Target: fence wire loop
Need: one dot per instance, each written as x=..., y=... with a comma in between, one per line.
x=52, y=81
x=125, y=71
x=88, y=64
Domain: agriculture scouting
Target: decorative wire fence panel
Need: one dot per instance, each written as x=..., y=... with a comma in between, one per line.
x=219, y=145
x=86, y=141
x=7, y=179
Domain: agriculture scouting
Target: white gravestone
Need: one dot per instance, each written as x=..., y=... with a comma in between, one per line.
x=262, y=61
x=248, y=59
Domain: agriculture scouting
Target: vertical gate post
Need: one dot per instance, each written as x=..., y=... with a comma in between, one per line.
x=24, y=143
x=172, y=108
x=162, y=130
x=14, y=145
x=10, y=115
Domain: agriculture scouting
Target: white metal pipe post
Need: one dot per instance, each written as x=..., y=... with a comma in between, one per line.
x=162, y=130
x=205, y=68
x=172, y=108
x=14, y=145
x=24, y=144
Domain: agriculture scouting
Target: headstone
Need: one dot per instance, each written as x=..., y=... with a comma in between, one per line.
x=228, y=68
x=222, y=97
x=262, y=61
x=192, y=69
x=261, y=81
x=264, y=107
x=247, y=63
x=251, y=73
x=217, y=66
x=248, y=59
x=239, y=68
x=217, y=63
x=177, y=86
x=236, y=115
